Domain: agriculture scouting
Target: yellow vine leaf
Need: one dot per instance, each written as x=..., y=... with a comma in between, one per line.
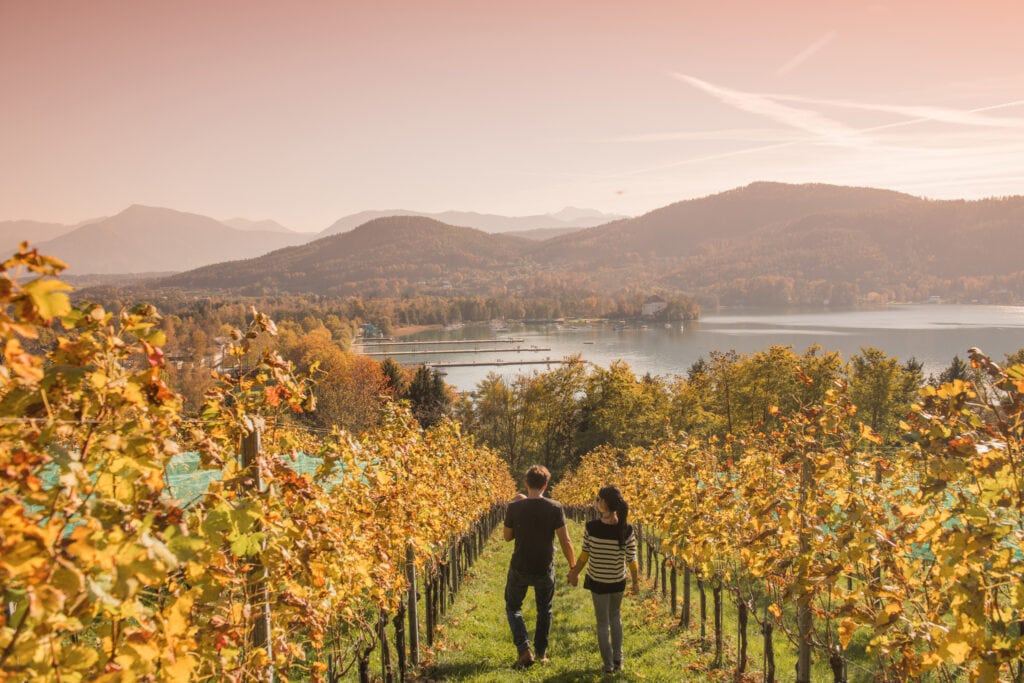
x=958, y=651
x=49, y=297
x=846, y=628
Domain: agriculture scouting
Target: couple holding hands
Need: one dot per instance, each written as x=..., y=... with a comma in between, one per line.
x=609, y=549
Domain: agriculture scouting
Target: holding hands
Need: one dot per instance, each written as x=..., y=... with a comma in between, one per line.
x=573, y=577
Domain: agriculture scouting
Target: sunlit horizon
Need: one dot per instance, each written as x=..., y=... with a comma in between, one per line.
x=262, y=111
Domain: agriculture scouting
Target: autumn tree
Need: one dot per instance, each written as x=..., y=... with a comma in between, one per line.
x=554, y=414
x=395, y=376
x=880, y=388
x=500, y=420
x=622, y=410
x=430, y=397
x=351, y=388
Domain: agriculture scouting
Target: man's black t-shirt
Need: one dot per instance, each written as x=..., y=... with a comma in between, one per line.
x=534, y=522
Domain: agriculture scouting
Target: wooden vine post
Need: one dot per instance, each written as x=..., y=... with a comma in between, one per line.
x=741, y=628
x=399, y=624
x=675, y=595
x=684, y=617
x=716, y=593
x=804, y=616
x=257, y=579
x=414, y=623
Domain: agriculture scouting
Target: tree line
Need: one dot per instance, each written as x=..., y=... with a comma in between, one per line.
x=557, y=416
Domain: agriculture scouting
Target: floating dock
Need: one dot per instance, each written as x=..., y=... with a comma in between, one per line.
x=470, y=364
x=515, y=349
x=508, y=340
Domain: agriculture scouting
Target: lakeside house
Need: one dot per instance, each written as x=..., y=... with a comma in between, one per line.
x=652, y=306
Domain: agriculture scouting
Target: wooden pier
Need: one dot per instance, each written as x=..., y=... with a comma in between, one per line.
x=470, y=364
x=515, y=349
x=383, y=342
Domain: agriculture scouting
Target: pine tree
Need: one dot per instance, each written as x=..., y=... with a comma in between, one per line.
x=429, y=397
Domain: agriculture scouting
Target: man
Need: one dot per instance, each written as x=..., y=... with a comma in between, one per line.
x=533, y=521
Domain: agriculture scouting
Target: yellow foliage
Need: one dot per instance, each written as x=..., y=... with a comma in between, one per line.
x=916, y=541
x=92, y=544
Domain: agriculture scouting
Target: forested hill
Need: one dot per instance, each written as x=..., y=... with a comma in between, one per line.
x=763, y=244
x=566, y=220
x=771, y=243
x=384, y=257
x=675, y=230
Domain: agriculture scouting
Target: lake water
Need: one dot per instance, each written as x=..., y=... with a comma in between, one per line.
x=931, y=333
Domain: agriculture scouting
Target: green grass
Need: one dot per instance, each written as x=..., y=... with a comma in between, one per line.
x=475, y=643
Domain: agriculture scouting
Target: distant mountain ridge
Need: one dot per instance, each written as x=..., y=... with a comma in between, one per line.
x=383, y=255
x=569, y=217
x=264, y=225
x=144, y=239
x=777, y=244
x=674, y=230
x=13, y=233
x=763, y=244
x=154, y=240
x=541, y=234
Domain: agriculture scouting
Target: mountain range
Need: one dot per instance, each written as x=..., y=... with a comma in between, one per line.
x=13, y=233
x=144, y=239
x=263, y=226
x=380, y=257
x=763, y=244
x=570, y=218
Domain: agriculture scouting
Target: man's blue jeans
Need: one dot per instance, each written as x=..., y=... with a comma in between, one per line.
x=544, y=592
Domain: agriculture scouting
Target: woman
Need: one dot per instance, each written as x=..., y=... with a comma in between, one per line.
x=609, y=545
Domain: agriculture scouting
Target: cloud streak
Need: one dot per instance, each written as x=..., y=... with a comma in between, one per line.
x=826, y=129
x=725, y=134
x=972, y=117
x=806, y=53
x=983, y=146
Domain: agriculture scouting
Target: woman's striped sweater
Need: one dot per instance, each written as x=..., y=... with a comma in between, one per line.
x=607, y=562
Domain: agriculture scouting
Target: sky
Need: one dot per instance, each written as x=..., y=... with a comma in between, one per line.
x=304, y=112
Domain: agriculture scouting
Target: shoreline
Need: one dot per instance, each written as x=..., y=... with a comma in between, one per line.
x=412, y=329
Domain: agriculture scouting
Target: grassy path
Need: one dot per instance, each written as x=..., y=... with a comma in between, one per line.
x=476, y=644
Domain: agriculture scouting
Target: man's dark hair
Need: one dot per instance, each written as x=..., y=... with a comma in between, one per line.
x=537, y=477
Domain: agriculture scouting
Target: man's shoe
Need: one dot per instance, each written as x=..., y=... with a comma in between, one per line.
x=542, y=658
x=525, y=659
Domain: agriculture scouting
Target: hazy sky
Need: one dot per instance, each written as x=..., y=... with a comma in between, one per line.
x=307, y=111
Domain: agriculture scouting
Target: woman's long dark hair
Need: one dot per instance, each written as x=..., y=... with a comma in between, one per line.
x=612, y=497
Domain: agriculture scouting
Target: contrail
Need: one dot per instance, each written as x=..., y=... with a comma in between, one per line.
x=738, y=99
x=943, y=114
x=802, y=119
x=806, y=53
x=737, y=134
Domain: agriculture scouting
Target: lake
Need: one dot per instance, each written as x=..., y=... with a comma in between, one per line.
x=932, y=333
